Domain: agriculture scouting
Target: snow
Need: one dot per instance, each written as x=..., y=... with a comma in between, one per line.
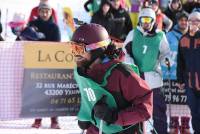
x=68, y=126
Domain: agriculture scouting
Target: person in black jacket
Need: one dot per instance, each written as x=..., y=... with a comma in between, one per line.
x=174, y=7
x=45, y=25
x=190, y=5
x=104, y=16
x=51, y=32
x=122, y=21
x=188, y=69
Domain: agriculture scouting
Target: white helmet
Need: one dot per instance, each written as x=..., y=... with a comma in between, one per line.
x=147, y=12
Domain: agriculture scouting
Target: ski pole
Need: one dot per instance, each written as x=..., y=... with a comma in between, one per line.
x=167, y=63
x=82, y=132
x=101, y=127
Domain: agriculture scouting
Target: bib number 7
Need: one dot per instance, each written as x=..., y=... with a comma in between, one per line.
x=144, y=49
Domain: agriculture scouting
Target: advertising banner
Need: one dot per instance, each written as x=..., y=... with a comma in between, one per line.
x=36, y=80
x=49, y=88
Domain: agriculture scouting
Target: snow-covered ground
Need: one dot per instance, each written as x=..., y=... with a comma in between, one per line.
x=68, y=126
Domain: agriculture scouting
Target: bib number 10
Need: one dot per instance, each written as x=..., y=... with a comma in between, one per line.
x=90, y=94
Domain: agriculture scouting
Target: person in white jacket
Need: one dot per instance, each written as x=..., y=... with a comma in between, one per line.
x=147, y=47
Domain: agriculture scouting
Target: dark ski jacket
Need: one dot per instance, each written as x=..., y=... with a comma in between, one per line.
x=188, y=64
x=48, y=28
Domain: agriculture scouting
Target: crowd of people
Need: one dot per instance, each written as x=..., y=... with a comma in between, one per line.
x=125, y=36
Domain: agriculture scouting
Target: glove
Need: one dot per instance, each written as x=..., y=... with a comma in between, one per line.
x=102, y=111
x=84, y=124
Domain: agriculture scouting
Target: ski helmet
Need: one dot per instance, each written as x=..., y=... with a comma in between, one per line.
x=91, y=36
x=147, y=13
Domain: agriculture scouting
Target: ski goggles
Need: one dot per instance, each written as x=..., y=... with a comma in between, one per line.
x=146, y=20
x=80, y=48
x=77, y=48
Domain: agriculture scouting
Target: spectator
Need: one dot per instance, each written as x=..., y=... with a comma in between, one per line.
x=104, y=16
x=190, y=5
x=122, y=21
x=92, y=6
x=146, y=4
x=51, y=32
x=69, y=25
x=147, y=47
x=17, y=24
x=99, y=64
x=197, y=6
x=45, y=25
x=188, y=68
x=163, y=22
x=135, y=8
x=174, y=7
x=34, y=13
x=173, y=38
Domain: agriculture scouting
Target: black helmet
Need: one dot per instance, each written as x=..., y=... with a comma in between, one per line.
x=92, y=36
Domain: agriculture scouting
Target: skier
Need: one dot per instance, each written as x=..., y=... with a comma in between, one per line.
x=114, y=99
x=147, y=47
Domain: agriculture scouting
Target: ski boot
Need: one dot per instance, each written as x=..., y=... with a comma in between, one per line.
x=37, y=123
x=174, y=125
x=185, y=128
x=54, y=123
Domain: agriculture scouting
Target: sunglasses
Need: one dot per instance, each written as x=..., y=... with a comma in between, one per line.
x=146, y=20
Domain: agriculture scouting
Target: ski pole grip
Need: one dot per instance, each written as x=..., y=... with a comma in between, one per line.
x=167, y=63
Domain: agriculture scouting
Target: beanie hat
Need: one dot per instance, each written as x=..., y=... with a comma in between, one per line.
x=44, y=5
x=181, y=15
